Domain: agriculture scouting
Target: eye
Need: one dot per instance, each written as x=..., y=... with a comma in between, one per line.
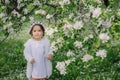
x=34, y=30
x=39, y=30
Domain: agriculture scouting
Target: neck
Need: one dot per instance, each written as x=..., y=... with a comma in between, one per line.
x=37, y=39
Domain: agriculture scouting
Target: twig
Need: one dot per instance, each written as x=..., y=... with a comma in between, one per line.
x=3, y=39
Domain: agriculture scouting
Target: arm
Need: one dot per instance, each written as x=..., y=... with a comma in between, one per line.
x=48, y=52
x=27, y=53
x=48, y=56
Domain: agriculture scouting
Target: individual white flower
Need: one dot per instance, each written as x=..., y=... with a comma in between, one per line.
x=107, y=24
x=100, y=21
x=87, y=57
x=73, y=59
x=14, y=12
x=104, y=37
x=10, y=24
x=78, y=44
x=4, y=19
x=11, y=30
x=96, y=13
x=70, y=53
x=66, y=1
x=7, y=1
x=90, y=35
x=61, y=67
x=51, y=31
x=43, y=12
x=91, y=8
x=18, y=15
x=78, y=25
x=2, y=15
x=62, y=3
x=67, y=26
x=59, y=40
x=98, y=1
x=86, y=38
x=66, y=33
x=25, y=11
x=37, y=3
x=87, y=17
x=101, y=53
x=3, y=7
x=49, y=16
x=23, y=18
x=53, y=48
x=7, y=26
x=71, y=15
x=31, y=19
x=67, y=62
x=19, y=1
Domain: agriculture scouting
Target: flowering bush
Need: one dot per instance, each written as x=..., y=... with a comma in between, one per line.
x=82, y=42
x=84, y=35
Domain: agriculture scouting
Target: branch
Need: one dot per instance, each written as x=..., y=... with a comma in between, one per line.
x=94, y=31
x=3, y=39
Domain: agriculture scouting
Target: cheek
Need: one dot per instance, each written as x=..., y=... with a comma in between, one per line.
x=42, y=33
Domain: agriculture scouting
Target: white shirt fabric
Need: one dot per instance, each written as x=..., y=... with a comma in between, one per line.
x=42, y=67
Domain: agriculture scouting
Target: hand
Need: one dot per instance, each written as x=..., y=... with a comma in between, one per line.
x=49, y=56
x=32, y=61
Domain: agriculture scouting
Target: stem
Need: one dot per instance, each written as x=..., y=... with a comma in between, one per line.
x=3, y=39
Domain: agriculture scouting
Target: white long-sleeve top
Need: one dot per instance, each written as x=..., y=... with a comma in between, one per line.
x=42, y=67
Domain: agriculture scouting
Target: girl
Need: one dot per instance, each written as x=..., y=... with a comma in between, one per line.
x=37, y=53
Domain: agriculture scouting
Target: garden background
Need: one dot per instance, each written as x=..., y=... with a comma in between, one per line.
x=84, y=35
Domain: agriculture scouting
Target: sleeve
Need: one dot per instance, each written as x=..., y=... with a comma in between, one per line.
x=47, y=47
x=48, y=62
x=27, y=52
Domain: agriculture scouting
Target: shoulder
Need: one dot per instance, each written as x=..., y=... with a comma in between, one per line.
x=46, y=40
x=28, y=42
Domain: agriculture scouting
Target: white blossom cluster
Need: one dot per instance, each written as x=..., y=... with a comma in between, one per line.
x=101, y=53
x=78, y=25
x=61, y=66
x=87, y=57
x=104, y=23
x=63, y=2
x=90, y=36
x=104, y=37
x=96, y=12
x=51, y=31
x=78, y=44
x=70, y=53
x=2, y=15
x=41, y=11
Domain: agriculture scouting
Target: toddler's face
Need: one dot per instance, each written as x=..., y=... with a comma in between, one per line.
x=37, y=32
